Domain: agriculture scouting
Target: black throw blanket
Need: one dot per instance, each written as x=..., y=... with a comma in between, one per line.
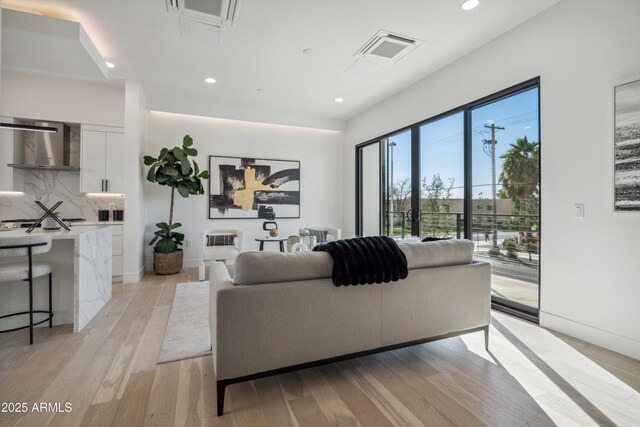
x=366, y=260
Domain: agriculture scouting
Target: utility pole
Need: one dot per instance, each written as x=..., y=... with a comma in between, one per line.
x=494, y=223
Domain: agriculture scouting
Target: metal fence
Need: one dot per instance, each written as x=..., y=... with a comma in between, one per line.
x=522, y=228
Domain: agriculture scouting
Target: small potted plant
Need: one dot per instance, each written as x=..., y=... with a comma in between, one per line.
x=173, y=169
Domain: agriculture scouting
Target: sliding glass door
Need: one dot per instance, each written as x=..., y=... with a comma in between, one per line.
x=506, y=196
x=472, y=172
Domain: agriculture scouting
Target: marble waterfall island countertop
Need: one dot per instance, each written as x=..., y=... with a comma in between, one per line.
x=81, y=260
x=59, y=234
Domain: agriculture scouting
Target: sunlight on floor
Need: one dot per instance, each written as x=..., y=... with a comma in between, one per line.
x=548, y=367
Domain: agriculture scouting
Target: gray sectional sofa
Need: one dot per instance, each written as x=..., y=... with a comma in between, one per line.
x=281, y=311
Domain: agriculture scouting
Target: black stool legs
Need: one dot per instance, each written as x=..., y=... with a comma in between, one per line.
x=30, y=299
x=31, y=324
x=50, y=303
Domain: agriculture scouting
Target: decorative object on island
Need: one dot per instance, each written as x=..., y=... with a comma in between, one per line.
x=627, y=146
x=172, y=168
x=48, y=213
x=51, y=224
x=242, y=187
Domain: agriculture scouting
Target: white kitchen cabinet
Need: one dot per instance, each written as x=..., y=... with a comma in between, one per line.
x=92, y=161
x=101, y=151
x=9, y=147
x=6, y=156
x=116, y=266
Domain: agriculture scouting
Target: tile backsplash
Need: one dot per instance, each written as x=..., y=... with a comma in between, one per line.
x=49, y=187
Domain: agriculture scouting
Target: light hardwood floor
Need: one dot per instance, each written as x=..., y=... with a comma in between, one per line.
x=108, y=374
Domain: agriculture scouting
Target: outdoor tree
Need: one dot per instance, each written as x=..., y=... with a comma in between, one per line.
x=520, y=180
x=402, y=195
x=399, y=205
x=520, y=174
x=436, y=202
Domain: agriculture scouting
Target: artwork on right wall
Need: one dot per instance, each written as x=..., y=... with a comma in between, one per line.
x=627, y=147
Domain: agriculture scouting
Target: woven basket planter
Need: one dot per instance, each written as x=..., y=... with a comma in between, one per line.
x=170, y=263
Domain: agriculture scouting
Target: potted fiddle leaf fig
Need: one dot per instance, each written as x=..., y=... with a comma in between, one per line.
x=173, y=169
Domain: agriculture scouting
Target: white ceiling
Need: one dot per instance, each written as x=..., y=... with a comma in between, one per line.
x=48, y=45
x=263, y=50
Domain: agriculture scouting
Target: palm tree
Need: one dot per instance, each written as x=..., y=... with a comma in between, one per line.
x=520, y=176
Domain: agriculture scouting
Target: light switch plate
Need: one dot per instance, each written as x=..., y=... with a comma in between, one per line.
x=578, y=210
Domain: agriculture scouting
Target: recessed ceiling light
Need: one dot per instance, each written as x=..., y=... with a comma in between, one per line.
x=210, y=80
x=470, y=4
x=308, y=51
x=339, y=99
x=110, y=65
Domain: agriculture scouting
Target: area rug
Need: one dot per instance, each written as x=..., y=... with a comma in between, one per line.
x=187, y=334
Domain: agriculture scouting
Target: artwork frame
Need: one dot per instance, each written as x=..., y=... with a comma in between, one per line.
x=626, y=158
x=273, y=188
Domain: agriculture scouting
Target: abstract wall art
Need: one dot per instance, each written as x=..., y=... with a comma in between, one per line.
x=627, y=147
x=243, y=187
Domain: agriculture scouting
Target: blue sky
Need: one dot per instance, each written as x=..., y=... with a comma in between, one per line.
x=442, y=142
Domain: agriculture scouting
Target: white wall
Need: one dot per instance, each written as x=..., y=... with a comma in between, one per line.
x=135, y=220
x=174, y=100
x=0, y=48
x=36, y=96
x=580, y=50
x=319, y=152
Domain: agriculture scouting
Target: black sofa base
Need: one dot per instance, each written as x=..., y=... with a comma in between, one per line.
x=221, y=385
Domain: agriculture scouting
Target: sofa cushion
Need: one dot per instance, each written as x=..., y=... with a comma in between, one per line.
x=253, y=268
x=437, y=254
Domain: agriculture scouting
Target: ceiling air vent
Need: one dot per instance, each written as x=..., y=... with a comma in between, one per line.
x=213, y=11
x=204, y=19
x=383, y=48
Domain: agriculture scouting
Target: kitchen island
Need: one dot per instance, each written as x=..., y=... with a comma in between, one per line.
x=81, y=261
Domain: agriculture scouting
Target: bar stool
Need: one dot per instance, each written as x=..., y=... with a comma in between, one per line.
x=26, y=245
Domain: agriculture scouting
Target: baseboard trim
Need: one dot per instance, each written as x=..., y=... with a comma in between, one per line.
x=188, y=263
x=600, y=337
x=133, y=277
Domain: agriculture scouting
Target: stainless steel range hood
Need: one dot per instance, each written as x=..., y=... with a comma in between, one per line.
x=46, y=146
